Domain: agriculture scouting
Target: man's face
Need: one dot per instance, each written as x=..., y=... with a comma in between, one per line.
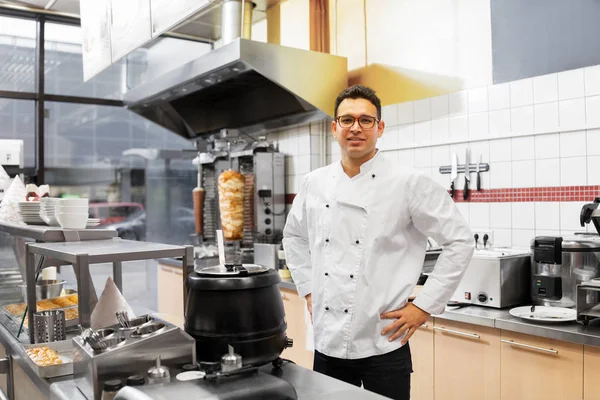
x=356, y=128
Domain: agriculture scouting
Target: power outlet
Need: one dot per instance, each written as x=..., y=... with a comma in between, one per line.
x=481, y=234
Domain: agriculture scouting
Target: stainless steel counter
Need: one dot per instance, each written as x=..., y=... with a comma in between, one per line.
x=44, y=233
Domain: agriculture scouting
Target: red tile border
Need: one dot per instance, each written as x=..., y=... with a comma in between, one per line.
x=516, y=195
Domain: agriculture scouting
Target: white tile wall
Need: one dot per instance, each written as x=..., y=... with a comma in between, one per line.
x=521, y=93
x=538, y=132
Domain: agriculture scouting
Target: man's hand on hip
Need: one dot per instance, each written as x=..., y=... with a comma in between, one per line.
x=308, y=298
x=409, y=318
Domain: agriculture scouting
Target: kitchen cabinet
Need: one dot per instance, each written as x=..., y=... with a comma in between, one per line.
x=539, y=368
x=591, y=366
x=170, y=291
x=467, y=361
x=421, y=348
x=294, y=307
x=24, y=388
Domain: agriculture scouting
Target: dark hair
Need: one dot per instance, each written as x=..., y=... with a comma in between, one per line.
x=359, y=92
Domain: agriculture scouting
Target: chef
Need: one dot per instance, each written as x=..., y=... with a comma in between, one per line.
x=355, y=241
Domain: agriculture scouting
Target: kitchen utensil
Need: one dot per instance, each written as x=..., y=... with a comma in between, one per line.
x=257, y=333
x=45, y=289
x=591, y=213
x=72, y=221
x=453, y=173
x=49, y=326
x=221, y=247
x=467, y=175
x=63, y=348
x=230, y=361
x=158, y=373
x=545, y=314
x=479, y=174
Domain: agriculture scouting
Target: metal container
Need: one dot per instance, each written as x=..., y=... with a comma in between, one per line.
x=588, y=301
x=49, y=326
x=45, y=289
x=128, y=355
x=495, y=278
x=559, y=264
x=64, y=349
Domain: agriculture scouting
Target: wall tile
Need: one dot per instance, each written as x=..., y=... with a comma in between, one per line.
x=592, y=80
x=303, y=165
x=546, y=232
x=478, y=100
x=502, y=238
x=500, y=150
x=440, y=129
x=392, y=156
x=573, y=144
x=547, y=215
x=523, y=148
x=547, y=146
x=422, y=110
x=425, y=171
x=592, y=111
x=459, y=128
x=521, y=120
x=593, y=170
x=478, y=148
x=390, y=114
x=315, y=162
x=523, y=174
x=499, y=122
x=569, y=215
x=479, y=216
x=292, y=143
x=440, y=106
x=406, y=135
x=571, y=114
x=407, y=158
x=545, y=88
x=499, y=96
x=304, y=144
x=406, y=113
x=441, y=179
x=440, y=155
x=573, y=171
x=464, y=210
x=500, y=215
x=521, y=93
x=523, y=216
x=457, y=103
x=423, y=157
x=290, y=165
x=422, y=133
x=304, y=130
x=521, y=238
x=593, y=142
x=547, y=172
x=501, y=175
x=478, y=126
x=315, y=144
x=546, y=117
x=571, y=84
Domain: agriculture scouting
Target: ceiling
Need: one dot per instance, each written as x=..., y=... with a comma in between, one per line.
x=205, y=25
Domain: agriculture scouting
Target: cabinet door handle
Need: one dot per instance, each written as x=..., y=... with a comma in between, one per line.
x=528, y=346
x=459, y=333
x=284, y=297
x=424, y=326
x=166, y=269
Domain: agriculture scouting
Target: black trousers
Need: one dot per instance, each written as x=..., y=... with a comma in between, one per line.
x=386, y=374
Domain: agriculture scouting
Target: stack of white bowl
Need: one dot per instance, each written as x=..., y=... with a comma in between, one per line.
x=30, y=212
x=72, y=213
x=48, y=210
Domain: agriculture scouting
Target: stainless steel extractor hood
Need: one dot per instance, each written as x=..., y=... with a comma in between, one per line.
x=244, y=84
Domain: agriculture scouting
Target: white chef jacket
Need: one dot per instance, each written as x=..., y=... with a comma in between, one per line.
x=358, y=245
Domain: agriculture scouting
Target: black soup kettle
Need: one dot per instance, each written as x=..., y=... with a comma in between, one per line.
x=238, y=305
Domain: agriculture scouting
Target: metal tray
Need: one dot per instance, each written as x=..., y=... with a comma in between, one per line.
x=65, y=351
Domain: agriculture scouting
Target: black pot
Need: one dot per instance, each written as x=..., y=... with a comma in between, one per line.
x=239, y=306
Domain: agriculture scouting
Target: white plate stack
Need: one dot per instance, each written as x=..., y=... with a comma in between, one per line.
x=72, y=213
x=30, y=212
x=48, y=210
x=92, y=222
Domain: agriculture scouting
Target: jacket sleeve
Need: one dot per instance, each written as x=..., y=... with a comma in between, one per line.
x=434, y=214
x=296, y=242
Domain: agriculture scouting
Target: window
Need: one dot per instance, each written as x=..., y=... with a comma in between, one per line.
x=17, y=54
x=17, y=121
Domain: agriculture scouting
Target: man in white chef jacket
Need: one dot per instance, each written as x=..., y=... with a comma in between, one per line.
x=355, y=242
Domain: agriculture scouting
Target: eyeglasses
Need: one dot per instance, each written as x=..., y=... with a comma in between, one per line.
x=365, y=121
